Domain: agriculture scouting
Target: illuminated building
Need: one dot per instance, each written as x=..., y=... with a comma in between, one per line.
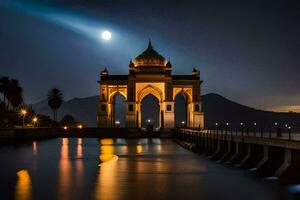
x=150, y=73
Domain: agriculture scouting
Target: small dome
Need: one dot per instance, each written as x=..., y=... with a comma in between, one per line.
x=149, y=57
x=169, y=65
x=104, y=72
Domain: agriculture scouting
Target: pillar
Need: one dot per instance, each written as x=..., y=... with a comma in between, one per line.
x=168, y=114
x=132, y=116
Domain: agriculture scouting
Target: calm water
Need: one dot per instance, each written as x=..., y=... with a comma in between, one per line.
x=124, y=169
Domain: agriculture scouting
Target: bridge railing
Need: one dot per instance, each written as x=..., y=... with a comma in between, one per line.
x=261, y=133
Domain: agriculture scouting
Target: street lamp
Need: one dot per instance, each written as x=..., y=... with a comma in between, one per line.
x=23, y=113
x=182, y=123
x=35, y=119
x=65, y=128
x=80, y=126
x=217, y=127
x=242, y=128
x=117, y=123
x=227, y=124
x=254, y=129
x=277, y=129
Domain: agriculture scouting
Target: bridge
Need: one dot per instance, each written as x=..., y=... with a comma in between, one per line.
x=268, y=154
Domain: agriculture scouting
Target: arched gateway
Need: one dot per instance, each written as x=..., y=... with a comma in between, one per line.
x=150, y=73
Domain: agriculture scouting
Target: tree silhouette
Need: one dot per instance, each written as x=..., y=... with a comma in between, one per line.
x=55, y=99
x=14, y=94
x=4, y=84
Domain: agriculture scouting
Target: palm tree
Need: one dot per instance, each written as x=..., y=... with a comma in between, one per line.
x=4, y=84
x=55, y=99
x=14, y=93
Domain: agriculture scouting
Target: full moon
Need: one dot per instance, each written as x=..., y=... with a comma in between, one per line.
x=106, y=35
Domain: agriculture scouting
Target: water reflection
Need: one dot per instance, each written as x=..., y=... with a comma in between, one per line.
x=128, y=169
x=139, y=148
x=23, y=186
x=34, y=148
x=64, y=170
x=107, y=179
x=79, y=164
x=79, y=148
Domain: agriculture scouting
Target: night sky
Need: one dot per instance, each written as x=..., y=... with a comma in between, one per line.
x=247, y=51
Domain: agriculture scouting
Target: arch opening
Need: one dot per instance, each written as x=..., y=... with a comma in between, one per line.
x=118, y=110
x=150, y=110
x=180, y=110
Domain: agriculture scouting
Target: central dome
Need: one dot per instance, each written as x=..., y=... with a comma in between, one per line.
x=150, y=58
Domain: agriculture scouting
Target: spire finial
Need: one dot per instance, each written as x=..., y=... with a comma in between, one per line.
x=149, y=44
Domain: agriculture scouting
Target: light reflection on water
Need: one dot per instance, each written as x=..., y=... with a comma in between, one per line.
x=71, y=168
x=65, y=170
x=106, y=178
x=23, y=186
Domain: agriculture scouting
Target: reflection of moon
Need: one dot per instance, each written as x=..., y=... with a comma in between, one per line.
x=106, y=35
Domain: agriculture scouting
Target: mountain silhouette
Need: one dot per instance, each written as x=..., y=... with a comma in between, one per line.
x=217, y=109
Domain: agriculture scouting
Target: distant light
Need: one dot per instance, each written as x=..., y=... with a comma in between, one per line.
x=286, y=125
x=117, y=122
x=149, y=120
x=35, y=119
x=217, y=124
x=80, y=126
x=227, y=124
x=183, y=122
x=242, y=124
x=289, y=127
x=65, y=128
x=23, y=111
x=275, y=123
x=106, y=35
x=254, y=124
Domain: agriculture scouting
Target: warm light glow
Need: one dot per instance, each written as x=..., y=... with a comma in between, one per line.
x=80, y=126
x=65, y=128
x=139, y=148
x=106, y=141
x=23, y=111
x=79, y=148
x=106, y=183
x=23, y=186
x=117, y=122
x=64, y=170
x=217, y=124
x=242, y=123
x=227, y=124
x=254, y=124
x=149, y=120
x=35, y=119
x=34, y=147
x=183, y=122
x=106, y=35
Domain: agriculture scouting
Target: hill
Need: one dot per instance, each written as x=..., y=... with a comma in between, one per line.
x=216, y=109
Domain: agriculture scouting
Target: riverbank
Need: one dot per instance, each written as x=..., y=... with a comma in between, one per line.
x=43, y=133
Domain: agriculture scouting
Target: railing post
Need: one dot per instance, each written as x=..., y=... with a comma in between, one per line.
x=261, y=132
x=290, y=133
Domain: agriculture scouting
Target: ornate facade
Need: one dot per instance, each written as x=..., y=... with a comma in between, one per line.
x=150, y=73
